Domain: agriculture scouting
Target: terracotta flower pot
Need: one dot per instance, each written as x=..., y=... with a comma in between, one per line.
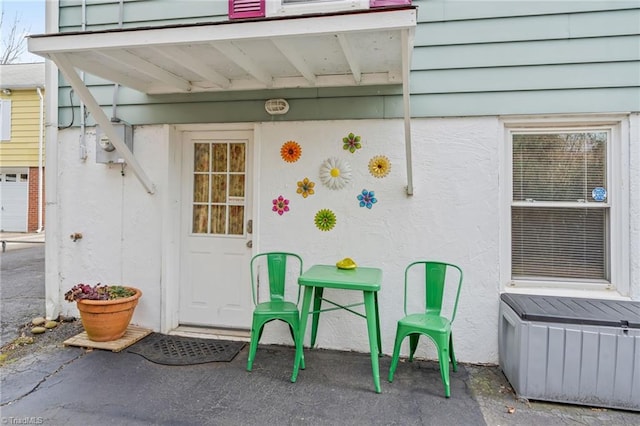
x=106, y=320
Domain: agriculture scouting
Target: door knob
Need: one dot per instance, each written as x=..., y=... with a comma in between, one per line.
x=250, y=243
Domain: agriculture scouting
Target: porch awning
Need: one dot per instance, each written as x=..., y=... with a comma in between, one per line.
x=349, y=49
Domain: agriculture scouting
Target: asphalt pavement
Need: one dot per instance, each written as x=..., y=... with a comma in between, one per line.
x=58, y=385
x=21, y=282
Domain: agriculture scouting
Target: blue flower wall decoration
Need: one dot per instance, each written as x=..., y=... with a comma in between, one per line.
x=367, y=198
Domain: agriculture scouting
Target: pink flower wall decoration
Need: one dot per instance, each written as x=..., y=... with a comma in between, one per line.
x=280, y=205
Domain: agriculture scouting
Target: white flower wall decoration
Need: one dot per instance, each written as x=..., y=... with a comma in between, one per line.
x=335, y=173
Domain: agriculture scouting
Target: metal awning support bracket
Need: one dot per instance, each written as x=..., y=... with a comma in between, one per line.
x=68, y=70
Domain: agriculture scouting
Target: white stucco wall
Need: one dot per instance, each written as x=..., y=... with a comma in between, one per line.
x=120, y=223
x=453, y=216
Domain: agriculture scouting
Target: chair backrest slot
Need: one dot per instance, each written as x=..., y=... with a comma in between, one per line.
x=276, y=264
x=435, y=282
x=435, y=274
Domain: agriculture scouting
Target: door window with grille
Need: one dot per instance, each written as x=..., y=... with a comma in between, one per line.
x=219, y=188
x=560, y=206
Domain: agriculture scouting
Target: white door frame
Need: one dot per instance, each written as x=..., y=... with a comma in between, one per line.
x=169, y=319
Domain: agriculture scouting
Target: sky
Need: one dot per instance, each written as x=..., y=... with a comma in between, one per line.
x=30, y=15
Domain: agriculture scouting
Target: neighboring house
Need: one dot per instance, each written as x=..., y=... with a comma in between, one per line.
x=511, y=128
x=22, y=147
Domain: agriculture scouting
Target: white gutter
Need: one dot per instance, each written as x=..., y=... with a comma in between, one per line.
x=40, y=148
x=66, y=67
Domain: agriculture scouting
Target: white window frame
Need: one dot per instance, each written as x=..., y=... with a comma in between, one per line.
x=280, y=8
x=617, y=194
x=5, y=120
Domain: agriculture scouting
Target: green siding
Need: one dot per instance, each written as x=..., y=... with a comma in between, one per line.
x=243, y=106
x=543, y=102
x=470, y=58
x=506, y=79
x=453, y=10
x=543, y=52
x=520, y=28
x=105, y=14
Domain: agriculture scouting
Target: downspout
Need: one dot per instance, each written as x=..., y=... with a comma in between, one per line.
x=406, y=100
x=116, y=86
x=83, y=114
x=40, y=147
x=53, y=242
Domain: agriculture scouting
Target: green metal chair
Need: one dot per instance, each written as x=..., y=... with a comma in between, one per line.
x=276, y=308
x=432, y=322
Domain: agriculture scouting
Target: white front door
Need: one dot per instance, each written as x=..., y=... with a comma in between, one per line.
x=215, y=287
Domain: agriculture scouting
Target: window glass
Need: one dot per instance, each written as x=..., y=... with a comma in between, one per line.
x=558, y=167
x=5, y=119
x=301, y=7
x=219, y=188
x=560, y=206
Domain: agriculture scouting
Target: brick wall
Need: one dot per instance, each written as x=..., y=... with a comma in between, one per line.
x=32, y=212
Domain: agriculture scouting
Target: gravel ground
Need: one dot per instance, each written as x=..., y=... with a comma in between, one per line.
x=28, y=343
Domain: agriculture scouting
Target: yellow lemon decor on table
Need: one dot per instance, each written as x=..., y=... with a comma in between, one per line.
x=346, y=263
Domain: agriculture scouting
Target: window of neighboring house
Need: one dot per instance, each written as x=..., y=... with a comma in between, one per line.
x=563, y=206
x=5, y=119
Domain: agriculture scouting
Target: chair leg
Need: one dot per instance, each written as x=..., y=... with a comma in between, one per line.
x=293, y=335
x=260, y=333
x=443, y=358
x=452, y=355
x=256, y=332
x=396, y=353
x=294, y=326
x=413, y=344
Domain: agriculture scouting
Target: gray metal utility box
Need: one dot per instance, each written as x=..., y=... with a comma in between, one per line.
x=572, y=350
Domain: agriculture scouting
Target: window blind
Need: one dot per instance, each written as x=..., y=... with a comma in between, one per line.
x=559, y=229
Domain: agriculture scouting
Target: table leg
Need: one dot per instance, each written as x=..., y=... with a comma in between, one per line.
x=372, y=321
x=317, y=304
x=306, y=301
x=375, y=297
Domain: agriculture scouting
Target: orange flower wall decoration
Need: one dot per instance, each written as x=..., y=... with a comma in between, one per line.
x=290, y=151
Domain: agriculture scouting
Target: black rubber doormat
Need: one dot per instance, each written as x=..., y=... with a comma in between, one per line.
x=179, y=350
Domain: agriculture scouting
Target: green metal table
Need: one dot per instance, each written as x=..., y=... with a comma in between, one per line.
x=366, y=280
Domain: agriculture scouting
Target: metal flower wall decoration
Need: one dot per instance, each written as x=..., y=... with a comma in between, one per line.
x=325, y=220
x=351, y=142
x=280, y=205
x=290, y=151
x=379, y=166
x=305, y=187
x=335, y=173
x=367, y=199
